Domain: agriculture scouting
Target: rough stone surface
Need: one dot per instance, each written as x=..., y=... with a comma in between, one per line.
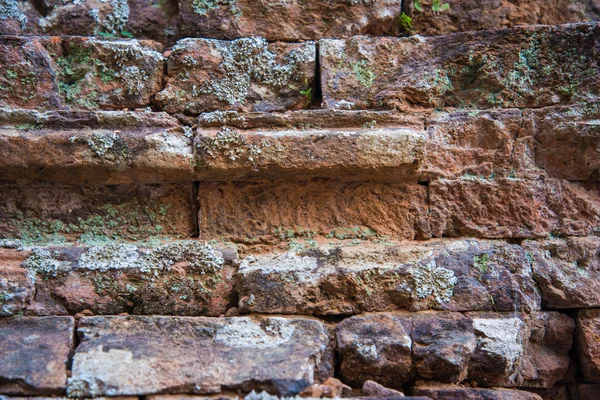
x=375, y=347
x=518, y=67
x=289, y=21
x=474, y=143
x=246, y=74
x=143, y=19
x=35, y=352
x=513, y=208
x=520, y=350
x=16, y=287
x=252, y=212
x=28, y=73
x=104, y=147
x=461, y=275
x=469, y=15
x=109, y=74
x=178, y=278
x=391, y=154
x=145, y=355
x=374, y=389
x=312, y=119
x=588, y=346
x=547, y=358
x=493, y=349
x=585, y=391
x=567, y=141
x=566, y=271
x=454, y=392
x=46, y=213
x=79, y=73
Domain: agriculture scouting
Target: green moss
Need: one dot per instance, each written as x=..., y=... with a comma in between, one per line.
x=249, y=59
x=127, y=221
x=203, y=7
x=363, y=74
x=480, y=262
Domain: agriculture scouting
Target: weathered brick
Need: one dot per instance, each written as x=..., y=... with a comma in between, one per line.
x=143, y=19
x=252, y=212
x=28, y=73
x=99, y=147
x=469, y=15
x=513, y=208
x=455, y=392
x=178, y=278
x=146, y=355
x=289, y=21
x=46, y=213
x=493, y=349
x=567, y=271
x=246, y=74
x=519, y=67
x=390, y=154
x=474, y=143
x=588, y=346
x=567, y=141
x=16, y=286
x=35, y=352
x=461, y=275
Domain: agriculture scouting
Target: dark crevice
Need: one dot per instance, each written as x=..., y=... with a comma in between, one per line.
x=195, y=209
x=317, y=98
x=41, y=7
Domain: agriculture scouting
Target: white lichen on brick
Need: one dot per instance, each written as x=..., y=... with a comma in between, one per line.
x=46, y=263
x=502, y=337
x=9, y=9
x=230, y=144
x=304, y=269
x=245, y=332
x=115, y=21
x=218, y=116
x=202, y=257
x=203, y=7
x=249, y=59
x=431, y=280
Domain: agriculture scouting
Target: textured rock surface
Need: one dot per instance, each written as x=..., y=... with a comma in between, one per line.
x=468, y=15
x=462, y=275
x=513, y=208
x=588, y=346
x=143, y=19
x=519, y=67
x=392, y=154
x=250, y=212
x=567, y=141
x=312, y=119
x=289, y=21
x=566, y=271
x=179, y=278
x=112, y=147
x=493, y=349
x=35, y=352
x=80, y=73
x=246, y=74
x=109, y=74
x=16, y=287
x=453, y=392
x=145, y=355
x=46, y=213
x=28, y=73
x=475, y=144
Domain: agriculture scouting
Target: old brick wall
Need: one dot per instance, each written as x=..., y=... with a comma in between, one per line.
x=207, y=199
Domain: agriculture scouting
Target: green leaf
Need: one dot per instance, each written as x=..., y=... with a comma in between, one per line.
x=445, y=7
x=406, y=23
x=437, y=6
x=418, y=6
x=127, y=34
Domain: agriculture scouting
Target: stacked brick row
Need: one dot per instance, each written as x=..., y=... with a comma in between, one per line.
x=251, y=198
